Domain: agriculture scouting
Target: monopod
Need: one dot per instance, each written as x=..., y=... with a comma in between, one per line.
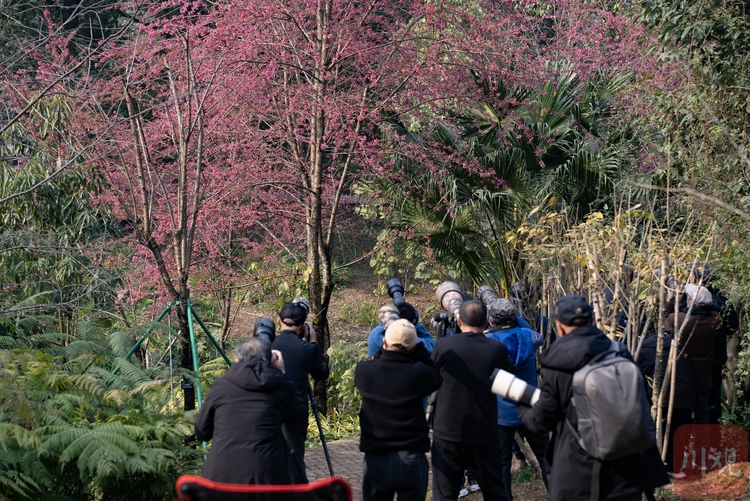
x=320, y=428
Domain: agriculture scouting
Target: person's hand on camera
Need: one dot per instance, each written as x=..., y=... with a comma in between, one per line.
x=277, y=360
x=309, y=335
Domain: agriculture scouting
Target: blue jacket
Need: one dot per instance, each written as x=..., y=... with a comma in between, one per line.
x=375, y=339
x=522, y=344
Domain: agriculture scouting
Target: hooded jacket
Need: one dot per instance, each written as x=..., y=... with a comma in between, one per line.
x=570, y=468
x=522, y=344
x=242, y=414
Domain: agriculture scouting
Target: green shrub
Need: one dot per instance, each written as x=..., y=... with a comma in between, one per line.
x=343, y=398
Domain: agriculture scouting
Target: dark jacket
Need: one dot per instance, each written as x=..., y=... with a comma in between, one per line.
x=730, y=322
x=569, y=466
x=243, y=413
x=522, y=345
x=697, y=341
x=466, y=409
x=685, y=384
x=392, y=386
x=300, y=359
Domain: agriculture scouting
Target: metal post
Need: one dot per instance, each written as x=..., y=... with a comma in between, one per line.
x=210, y=337
x=194, y=349
x=140, y=341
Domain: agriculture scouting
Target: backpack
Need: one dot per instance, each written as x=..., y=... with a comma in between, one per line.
x=614, y=416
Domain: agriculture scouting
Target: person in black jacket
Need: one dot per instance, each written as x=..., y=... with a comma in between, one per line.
x=569, y=467
x=465, y=429
x=685, y=387
x=243, y=414
x=301, y=358
x=395, y=436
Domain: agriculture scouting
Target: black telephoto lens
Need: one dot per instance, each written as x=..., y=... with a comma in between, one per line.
x=396, y=291
x=266, y=329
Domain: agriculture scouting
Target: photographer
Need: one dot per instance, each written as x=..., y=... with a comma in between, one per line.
x=465, y=429
x=395, y=436
x=302, y=357
x=243, y=414
x=405, y=311
x=574, y=474
x=522, y=345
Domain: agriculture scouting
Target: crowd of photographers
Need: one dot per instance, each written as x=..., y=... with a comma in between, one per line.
x=476, y=388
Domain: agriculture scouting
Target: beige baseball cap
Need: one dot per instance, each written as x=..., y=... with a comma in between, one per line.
x=401, y=332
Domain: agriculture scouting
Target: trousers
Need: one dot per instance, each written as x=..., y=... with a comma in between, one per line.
x=401, y=472
x=538, y=443
x=450, y=459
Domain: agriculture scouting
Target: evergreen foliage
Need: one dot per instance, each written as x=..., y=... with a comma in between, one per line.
x=71, y=430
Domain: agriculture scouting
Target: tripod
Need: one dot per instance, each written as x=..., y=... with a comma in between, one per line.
x=192, y=315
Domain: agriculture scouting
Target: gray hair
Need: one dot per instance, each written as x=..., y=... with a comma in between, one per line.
x=253, y=348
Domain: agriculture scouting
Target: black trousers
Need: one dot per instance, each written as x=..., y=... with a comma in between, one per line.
x=537, y=441
x=297, y=469
x=403, y=473
x=450, y=459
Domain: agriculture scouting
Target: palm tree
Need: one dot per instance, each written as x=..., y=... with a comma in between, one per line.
x=517, y=148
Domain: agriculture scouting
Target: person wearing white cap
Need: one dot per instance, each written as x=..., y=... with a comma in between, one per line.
x=697, y=341
x=395, y=436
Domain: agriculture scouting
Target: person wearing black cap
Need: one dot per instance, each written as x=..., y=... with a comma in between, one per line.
x=570, y=468
x=302, y=358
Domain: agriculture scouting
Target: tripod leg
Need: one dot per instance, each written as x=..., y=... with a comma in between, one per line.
x=194, y=349
x=143, y=338
x=211, y=338
x=320, y=428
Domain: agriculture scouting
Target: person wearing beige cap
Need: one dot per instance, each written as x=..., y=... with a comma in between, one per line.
x=697, y=342
x=394, y=433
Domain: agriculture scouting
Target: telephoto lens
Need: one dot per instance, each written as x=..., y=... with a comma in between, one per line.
x=265, y=329
x=508, y=386
x=396, y=291
x=449, y=296
x=486, y=294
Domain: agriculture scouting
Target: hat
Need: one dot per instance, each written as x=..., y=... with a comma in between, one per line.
x=700, y=295
x=293, y=314
x=401, y=332
x=571, y=308
x=388, y=314
x=501, y=311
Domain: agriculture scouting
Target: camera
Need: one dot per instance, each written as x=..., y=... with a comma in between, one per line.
x=302, y=301
x=396, y=291
x=451, y=298
x=265, y=329
x=508, y=386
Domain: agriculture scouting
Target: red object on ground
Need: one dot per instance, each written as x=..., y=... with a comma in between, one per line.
x=192, y=488
x=710, y=461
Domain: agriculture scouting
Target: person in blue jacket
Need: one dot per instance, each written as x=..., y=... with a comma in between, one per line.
x=522, y=343
x=405, y=311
